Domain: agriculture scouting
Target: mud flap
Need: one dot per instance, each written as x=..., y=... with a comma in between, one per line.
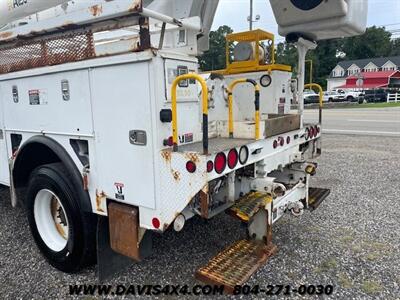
x=109, y=262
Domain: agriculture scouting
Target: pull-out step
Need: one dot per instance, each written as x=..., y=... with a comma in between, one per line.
x=316, y=196
x=235, y=264
x=248, y=205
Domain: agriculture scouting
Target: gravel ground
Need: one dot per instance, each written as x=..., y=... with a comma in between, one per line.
x=352, y=241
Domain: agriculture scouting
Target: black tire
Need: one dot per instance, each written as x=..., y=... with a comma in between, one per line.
x=80, y=249
x=350, y=98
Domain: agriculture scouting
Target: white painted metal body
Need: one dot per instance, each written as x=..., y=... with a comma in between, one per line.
x=109, y=97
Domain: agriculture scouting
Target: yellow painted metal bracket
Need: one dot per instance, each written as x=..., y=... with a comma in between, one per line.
x=321, y=97
x=174, y=109
x=256, y=103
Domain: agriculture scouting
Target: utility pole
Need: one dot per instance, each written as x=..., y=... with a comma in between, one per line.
x=251, y=15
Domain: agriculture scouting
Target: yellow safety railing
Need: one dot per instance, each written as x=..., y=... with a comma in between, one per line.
x=174, y=109
x=256, y=103
x=321, y=97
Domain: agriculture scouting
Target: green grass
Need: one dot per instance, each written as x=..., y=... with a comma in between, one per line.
x=371, y=287
x=376, y=105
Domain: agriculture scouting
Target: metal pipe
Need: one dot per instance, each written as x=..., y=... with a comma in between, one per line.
x=174, y=109
x=162, y=35
x=321, y=97
x=251, y=15
x=256, y=104
x=167, y=19
x=303, y=46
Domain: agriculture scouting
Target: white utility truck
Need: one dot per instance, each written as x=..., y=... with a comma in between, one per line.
x=108, y=134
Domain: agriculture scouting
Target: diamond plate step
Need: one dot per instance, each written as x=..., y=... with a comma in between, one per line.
x=248, y=205
x=316, y=196
x=235, y=264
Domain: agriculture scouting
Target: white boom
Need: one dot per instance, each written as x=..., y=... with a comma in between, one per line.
x=14, y=10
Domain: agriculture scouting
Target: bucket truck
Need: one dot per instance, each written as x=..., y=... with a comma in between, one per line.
x=108, y=132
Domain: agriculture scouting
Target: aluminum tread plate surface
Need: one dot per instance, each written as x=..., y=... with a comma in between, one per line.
x=235, y=264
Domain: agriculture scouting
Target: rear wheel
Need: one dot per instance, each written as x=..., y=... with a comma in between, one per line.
x=350, y=98
x=64, y=234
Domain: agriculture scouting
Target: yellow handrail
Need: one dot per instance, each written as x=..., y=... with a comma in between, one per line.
x=321, y=97
x=256, y=103
x=174, y=109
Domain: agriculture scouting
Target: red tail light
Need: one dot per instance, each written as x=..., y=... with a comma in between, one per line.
x=220, y=163
x=191, y=166
x=281, y=141
x=311, y=130
x=275, y=145
x=210, y=166
x=316, y=131
x=156, y=223
x=288, y=140
x=233, y=158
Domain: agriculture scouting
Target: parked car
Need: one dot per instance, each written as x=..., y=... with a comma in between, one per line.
x=340, y=96
x=310, y=97
x=333, y=96
x=352, y=96
x=376, y=95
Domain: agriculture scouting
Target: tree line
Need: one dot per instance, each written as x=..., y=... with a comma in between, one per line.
x=375, y=42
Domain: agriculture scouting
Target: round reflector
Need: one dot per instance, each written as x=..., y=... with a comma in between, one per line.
x=275, y=145
x=156, y=223
x=311, y=132
x=210, y=166
x=243, y=154
x=281, y=141
x=288, y=140
x=220, y=163
x=316, y=131
x=307, y=134
x=233, y=158
x=191, y=166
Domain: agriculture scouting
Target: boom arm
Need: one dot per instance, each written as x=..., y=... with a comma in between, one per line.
x=48, y=16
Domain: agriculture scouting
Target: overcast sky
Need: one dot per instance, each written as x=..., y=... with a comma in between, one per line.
x=234, y=13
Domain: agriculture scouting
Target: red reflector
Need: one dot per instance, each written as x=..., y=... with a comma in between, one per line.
x=311, y=131
x=156, y=223
x=220, y=163
x=281, y=141
x=307, y=133
x=288, y=140
x=233, y=157
x=316, y=130
x=275, y=144
x=170, y=141
x=210, y=166
x=191, y=166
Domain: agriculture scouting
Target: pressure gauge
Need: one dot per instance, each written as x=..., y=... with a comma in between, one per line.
x=265, y=80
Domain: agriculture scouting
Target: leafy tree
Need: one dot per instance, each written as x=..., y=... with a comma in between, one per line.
x=375, y=42
x=215, y=58
x=286, y=54
x=395, y=47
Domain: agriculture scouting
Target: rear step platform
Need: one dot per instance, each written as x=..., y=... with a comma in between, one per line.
x=248, y=205
x=235, y=264
x=316, y=196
